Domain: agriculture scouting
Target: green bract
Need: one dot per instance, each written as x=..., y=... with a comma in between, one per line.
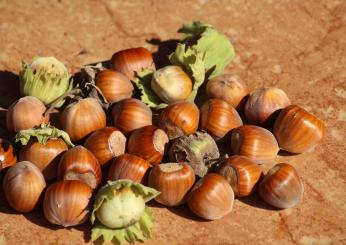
x=42, y=133
x=192, y=61
x=148, y=96
x=203, y=53
x=114, y=214
x=202, y=39
x=120, y=213
x=45, y=78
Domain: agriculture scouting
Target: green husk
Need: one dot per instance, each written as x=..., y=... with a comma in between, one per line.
x=42, y=133
x=216, y=49
x=45, y=78
x=148, y=96
x=136, y=232
x=139, y=231
x=203, y=53
x=192, y=62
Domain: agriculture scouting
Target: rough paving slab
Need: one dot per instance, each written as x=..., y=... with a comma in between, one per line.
x=299, y=46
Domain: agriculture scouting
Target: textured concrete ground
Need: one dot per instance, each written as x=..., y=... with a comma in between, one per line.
x=299, y=46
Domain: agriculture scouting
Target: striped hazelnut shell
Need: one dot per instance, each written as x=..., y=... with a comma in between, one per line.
x=218, y=118
x=229, y=88
x=297, y=130
x=132, y=60
x=67, y=203
x=114, y=85
x=82, y=118
x=263, y=103
x=254, y=142
x=25, y=113
x=79, y=163
x=46, y=157
x=211, y=197
x=23, y=185
x=148, y=143
x=131, y=114
x=180, y=118
x=242, y=174
x=173, y=180
x=106, y=143
x=127, y=166
x=281, y=187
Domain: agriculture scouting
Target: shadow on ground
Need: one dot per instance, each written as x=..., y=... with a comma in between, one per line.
x=254, y=200
x=9, y=88
x=37, y=218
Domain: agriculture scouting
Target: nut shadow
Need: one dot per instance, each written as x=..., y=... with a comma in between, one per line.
x=202, y=97
x=182, y=211
x=286, y=153
x=105, y=63
x=4, y=207
x=225, y=147
x=154, y=204
x=9, y=88
x=4, y=133
x=267, y=124
x=37, y=218
x=254, y=200
x=165, y=48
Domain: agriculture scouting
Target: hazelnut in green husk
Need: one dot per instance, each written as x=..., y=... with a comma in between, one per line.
x=46, y=78
x=43, y=145
x=120, y=213
x=171, y=84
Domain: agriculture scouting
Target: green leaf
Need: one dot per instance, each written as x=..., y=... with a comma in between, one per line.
x=218, y=51
x=42, y=133
x=148, y=96
x=194, y=29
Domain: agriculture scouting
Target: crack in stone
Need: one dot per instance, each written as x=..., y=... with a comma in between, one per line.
x=123, y=32
x=337, y=24
x=286, y=228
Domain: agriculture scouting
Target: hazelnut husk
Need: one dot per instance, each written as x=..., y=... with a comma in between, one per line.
x=198, y=150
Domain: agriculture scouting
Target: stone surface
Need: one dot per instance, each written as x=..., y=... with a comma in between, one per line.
x=299, y=46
